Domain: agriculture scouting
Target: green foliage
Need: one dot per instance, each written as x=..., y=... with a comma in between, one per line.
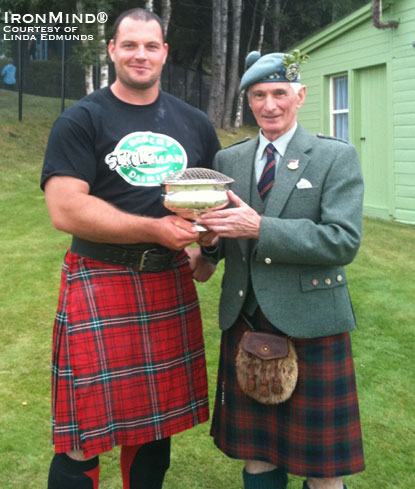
x=381, y=284
x=190, y=28
x=86, y=55
x=5, y=47
x=44, y=73
x=305, y=18
x=296, y=57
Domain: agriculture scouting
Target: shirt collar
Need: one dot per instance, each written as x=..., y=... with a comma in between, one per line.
x=280, y=143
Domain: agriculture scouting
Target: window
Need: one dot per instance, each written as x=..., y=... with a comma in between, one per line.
x=339, y=107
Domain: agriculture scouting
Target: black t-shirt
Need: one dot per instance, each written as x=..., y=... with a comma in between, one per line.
x=123, y=151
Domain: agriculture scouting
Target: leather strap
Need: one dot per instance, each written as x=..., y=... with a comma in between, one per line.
x=147, y=257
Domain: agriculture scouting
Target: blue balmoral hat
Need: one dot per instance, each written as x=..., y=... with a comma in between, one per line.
x=274, y=67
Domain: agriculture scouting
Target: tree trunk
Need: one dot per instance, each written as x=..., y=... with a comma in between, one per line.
x=239, y=114
x=89, y=70
x=149, y=5
x=215, y=61
x=251, y=35
x=276, y=26
x=223, y=56
x=165, y=15
x=89, y=79
x=219, y=51
x=240, y=103
x=103, y=75
x=333, y=11
x=234, y=68
x=193, y=68
x=262, y=26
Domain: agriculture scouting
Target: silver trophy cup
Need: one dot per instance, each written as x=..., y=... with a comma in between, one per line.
x=191, y=192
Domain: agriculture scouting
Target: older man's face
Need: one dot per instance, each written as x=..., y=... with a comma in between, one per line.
x=275, y=106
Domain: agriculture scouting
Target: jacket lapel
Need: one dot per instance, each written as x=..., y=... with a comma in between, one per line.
x=287, y=178
x=243, y=168
x=242, y=173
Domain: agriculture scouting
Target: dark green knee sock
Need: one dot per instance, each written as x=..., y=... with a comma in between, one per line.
x=274, y=479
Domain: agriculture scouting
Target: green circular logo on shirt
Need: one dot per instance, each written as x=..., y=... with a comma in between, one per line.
x=144, y=158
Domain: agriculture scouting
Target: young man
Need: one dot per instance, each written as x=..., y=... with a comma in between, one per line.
x=128, y=354
x=295, y=223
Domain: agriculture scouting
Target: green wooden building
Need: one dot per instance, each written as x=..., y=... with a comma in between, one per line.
x=361, y=87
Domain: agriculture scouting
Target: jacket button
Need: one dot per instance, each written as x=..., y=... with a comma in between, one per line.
x=314, y=282
x=268, y=261
x=241, y=293
x=327, y=281
x=339, y=278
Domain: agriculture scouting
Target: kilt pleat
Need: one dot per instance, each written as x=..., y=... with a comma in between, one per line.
x=128, y=362
x=316, y=433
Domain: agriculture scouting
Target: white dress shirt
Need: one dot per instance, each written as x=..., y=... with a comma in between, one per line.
x=280, y=144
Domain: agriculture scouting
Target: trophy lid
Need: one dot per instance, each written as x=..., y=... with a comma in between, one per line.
x=193, y=176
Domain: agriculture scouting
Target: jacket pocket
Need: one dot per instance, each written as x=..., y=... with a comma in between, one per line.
x=306, y=193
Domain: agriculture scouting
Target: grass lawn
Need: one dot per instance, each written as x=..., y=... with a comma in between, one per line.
x=382, y=289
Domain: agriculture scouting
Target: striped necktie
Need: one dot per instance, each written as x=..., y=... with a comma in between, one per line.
x=266, y=181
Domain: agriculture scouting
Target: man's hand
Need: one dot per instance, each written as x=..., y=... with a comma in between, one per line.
x=175, y=232
x=237, y=222
x=201, y=268
x=208, y=238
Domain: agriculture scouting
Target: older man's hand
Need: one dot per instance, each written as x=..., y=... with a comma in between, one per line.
x=235, y=222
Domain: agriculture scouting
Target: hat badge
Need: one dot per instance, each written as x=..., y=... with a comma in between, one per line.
x=291, y=72
x=293, y=164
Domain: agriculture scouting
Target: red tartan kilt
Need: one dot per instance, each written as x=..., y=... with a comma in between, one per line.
x=316, y=433
x=128, y=356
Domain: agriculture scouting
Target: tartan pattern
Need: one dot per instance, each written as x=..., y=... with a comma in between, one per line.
x=316, y=433
x=266, y=180
x=128, y=363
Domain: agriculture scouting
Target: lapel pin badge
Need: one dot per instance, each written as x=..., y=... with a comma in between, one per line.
x=293, y=164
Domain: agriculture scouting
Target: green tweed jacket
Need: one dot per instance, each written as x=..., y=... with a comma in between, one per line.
x=307, y=236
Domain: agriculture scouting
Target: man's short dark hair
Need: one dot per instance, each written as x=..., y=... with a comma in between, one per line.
x=137, y=14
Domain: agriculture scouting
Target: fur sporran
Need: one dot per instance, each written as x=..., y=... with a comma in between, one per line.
x=266, y=367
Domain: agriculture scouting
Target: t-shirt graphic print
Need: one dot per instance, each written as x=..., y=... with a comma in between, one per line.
x=143, y=158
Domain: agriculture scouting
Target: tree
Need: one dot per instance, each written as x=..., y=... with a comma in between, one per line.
x=165, y=15
x=234, y=63
x=84, y=53
x=278, y=9
x=165, y=12
x=197, y=32
x=91, y=51
x=102, y=56
x=303, y=18
x=218, y=61
x=262, y=26
x=264, y=14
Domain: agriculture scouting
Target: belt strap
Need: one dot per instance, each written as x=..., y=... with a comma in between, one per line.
x=147, y=257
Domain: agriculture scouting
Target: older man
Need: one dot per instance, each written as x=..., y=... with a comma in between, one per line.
x=128, y=355
x=295, y=222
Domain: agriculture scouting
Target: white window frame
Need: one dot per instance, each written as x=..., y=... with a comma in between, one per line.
x=333, y=111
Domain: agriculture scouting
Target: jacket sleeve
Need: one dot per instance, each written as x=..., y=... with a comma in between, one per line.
x=214, y=254
x=335, y=237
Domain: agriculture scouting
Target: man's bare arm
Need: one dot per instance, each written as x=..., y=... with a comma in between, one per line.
x=74, y=211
